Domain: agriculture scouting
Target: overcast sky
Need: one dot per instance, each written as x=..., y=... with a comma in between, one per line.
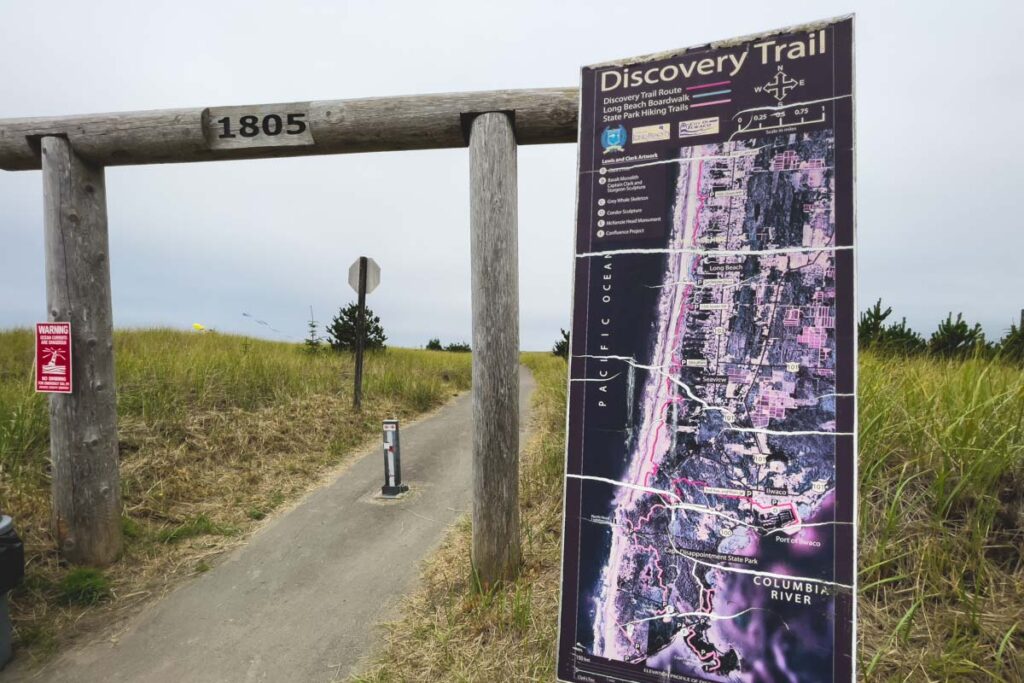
x=939, y=170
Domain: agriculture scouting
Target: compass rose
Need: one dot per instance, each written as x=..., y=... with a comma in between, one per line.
x=780, y=85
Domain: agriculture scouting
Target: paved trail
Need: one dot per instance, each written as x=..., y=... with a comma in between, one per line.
x=299, y=601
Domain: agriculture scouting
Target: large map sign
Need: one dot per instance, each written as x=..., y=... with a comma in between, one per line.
x=710, y=470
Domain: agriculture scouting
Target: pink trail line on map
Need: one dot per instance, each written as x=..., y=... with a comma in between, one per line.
x=706, y=596
x=708, y=85
x=661, y=572
x=677, y=331
x=711, y=655
x=747, y=499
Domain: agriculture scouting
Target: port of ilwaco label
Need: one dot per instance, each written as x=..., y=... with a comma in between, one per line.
x=53, y=358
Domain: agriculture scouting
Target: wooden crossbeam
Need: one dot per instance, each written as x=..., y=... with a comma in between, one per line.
x=377, y=124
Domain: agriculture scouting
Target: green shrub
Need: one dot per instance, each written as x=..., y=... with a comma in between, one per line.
x=897, y=338
x=200, y=525
x=1011, y=347
x=561, y=347
x=130, y=528
x=343, y=330
x=956, y=339
x=84, y=586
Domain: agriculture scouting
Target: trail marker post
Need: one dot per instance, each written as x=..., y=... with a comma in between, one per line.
x=363, y=276
x=393, y=486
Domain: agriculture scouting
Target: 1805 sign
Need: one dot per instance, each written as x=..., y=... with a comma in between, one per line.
x=249, y=125
x=265, y=126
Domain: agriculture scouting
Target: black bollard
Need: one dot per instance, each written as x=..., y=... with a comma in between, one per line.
x=393, y=485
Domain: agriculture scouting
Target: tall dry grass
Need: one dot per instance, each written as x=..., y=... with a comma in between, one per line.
x=215, y=432
x=941, y=541
x=941, y=520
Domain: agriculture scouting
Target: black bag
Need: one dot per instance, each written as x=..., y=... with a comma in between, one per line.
x=12, y=556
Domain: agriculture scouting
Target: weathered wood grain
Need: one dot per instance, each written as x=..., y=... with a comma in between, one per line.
x=83, y=424
x=337, y=126
x=495, y=293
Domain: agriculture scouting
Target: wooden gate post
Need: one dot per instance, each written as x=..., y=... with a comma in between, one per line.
x=83, y=424
x=495, y=283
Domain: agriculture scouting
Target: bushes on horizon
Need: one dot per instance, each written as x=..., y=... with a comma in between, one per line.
x=953, y=339
x=454, y=347
x=872, y=332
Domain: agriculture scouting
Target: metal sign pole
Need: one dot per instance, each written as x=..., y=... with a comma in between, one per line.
x=363, y=276
x=357, y=396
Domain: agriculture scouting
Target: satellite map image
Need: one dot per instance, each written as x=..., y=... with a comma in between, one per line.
x=733, y=455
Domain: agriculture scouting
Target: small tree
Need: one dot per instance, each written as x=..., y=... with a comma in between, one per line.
x=1011, y=347
x=898, y=338
x=342, y=331
x=313, y=342
x=458, y=347
x=561, y=347
x=956, y=339
x=870, y=326
x=434, y=345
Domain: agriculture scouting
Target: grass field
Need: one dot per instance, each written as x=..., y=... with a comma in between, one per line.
x=942, y=520
x=216, y=432
x=941, y=541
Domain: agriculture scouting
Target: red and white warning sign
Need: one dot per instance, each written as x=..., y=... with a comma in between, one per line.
x=53, y=358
